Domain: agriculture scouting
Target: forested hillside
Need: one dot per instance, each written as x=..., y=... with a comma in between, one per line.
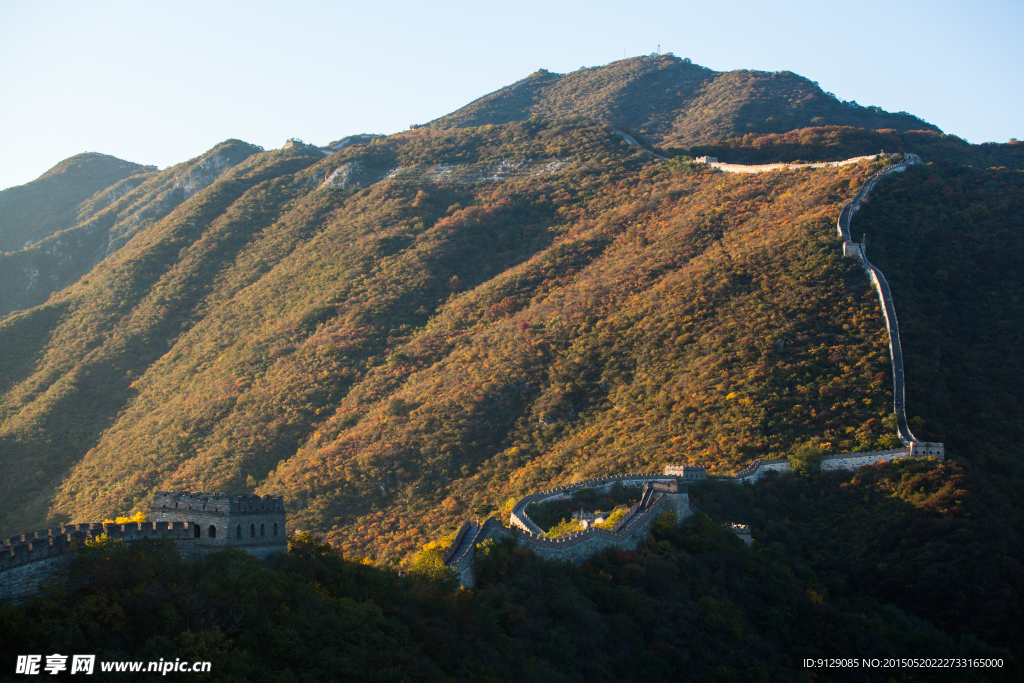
x=951, y=241
x=671, y=102
x=395, y=357
x=943, y=543
x=55, y=200
x=421, y=328
x=100, y=225
x=693, y=602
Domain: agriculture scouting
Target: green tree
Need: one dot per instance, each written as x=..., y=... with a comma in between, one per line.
x=807, y=458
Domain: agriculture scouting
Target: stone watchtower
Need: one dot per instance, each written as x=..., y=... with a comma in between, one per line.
x=687, y=473
x=245, y=521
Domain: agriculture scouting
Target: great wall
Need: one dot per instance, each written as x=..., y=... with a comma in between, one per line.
x=668, y=492
x=197, y=523
x=761, y=168
x=200, y=523
x=661, y=494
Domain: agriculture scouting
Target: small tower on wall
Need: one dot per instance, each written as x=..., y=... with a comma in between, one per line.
x=687, y=473
x=255, y=524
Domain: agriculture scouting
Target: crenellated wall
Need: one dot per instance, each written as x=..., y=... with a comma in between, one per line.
x=757, y=469
x=199, y=523
x=578, y=546
x=687, y=473
x=575, y=547
x=520, y=518
x=661, y=494
x=255, y=524
x=840, y=461
x=858, y=251
x=29, y=559
x=448, y=554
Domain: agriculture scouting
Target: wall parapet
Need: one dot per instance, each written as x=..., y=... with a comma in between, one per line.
x=187, y=518
x=838, y=461
x=184, y=502
x=466, y=526
x=858, y=251
x=661, y=493
x=780, y=166
x=521, y=519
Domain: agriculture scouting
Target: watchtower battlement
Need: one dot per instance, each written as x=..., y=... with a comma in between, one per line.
x=224, y=504
x=245, y=521
x=198, y=523
x=687, y=473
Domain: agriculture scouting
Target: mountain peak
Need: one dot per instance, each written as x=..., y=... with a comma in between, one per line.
x=35, y=210
x=92, y=163
x=671, y=101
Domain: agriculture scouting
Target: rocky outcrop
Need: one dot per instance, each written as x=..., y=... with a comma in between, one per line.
x=107, y=222
x=355, y=175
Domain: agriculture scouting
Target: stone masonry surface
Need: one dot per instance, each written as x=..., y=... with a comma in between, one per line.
x=249, y=522
x=662, y=493
x=198, y=523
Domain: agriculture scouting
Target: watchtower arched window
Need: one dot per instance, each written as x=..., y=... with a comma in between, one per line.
x=213, y=531
x=263, y=530
x=252, y=530
x=197, y=531
x=238, y=531
x=275, y=528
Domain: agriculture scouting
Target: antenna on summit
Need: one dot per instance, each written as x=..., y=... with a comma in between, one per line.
x=659, y=48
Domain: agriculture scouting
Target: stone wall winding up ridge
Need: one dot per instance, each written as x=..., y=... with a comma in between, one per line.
x=666, y=492
x=521, y=520
x=857, y=250
x=839, y=461
x=29, y=559
x=662, y=493
x=632, y=529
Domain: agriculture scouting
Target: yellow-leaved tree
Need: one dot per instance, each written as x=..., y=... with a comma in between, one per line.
x=137, y=517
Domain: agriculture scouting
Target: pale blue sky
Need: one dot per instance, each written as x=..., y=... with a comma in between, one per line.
x=161, y=82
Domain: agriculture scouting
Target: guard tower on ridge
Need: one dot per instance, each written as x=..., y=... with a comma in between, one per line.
x=255, y=524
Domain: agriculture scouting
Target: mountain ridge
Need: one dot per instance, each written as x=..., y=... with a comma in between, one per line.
x=671, y=102
x=103, y=223
x=403, y=334
x=52, y=202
